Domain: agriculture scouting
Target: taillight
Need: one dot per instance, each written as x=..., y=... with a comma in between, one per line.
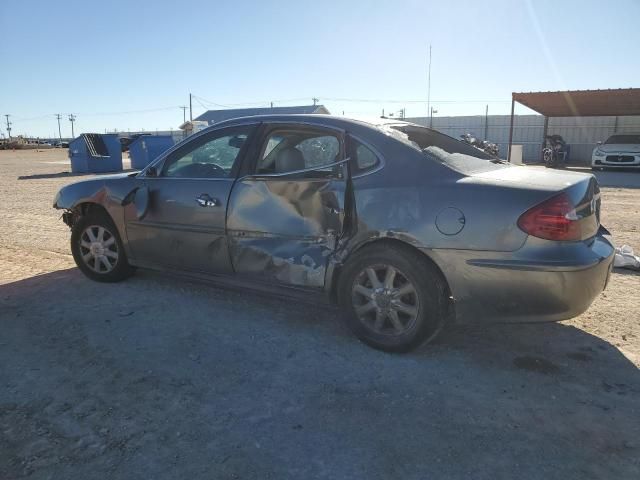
x=553, y=219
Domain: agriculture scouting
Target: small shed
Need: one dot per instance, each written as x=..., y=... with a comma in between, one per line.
x=95, y=153
x=190, y=127
x=146, y=148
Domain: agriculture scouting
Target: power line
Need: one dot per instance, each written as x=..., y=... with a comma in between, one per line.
x=201, y=104
x=379, y=100
x=149, y=110
x=252, y=103
x=343, y=99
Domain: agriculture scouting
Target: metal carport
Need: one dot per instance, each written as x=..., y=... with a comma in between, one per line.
x=577, y=103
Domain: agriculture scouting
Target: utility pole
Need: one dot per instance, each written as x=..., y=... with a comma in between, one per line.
x=315, y=101
x=271, y=104
x=190, y=109
x=486, y=121
x=184, y=114
x=431, y=112
x=59, y=131
x=72, y=118
x=8, y=126
x=429, y=83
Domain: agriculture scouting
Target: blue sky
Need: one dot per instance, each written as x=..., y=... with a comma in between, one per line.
x=109, y=62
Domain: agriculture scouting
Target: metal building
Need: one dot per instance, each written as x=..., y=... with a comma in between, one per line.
x=582, y=133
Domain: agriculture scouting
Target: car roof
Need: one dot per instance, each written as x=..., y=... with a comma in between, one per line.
x=316, y=119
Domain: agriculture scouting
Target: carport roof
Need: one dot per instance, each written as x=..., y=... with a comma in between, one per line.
x=582, y=103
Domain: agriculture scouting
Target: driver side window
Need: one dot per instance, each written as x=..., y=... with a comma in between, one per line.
x=211, y=156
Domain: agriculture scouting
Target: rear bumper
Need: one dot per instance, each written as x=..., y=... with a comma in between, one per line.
x=538, y=283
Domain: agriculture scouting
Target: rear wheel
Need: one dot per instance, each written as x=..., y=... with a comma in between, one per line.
x=394, y=300
x=98, y=250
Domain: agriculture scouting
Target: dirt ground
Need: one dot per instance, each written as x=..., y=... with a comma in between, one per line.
x=159, y=377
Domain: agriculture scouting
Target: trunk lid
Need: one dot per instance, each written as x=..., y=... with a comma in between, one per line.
x=582, y=189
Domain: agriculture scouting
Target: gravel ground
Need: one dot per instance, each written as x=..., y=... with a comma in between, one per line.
x=159, y=377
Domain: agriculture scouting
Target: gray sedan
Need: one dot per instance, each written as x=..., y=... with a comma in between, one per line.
x=405, y=228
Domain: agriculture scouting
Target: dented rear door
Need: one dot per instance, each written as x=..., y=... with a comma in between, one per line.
x=285, y=230
x=283, y=227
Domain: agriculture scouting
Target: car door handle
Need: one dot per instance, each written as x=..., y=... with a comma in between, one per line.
x=205, y=200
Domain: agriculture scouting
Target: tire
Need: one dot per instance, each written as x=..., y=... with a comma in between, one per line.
x=430, y=302
x=82, y=248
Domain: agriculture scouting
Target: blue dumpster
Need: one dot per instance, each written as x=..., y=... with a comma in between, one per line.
x=95, y=153
x=146, y=148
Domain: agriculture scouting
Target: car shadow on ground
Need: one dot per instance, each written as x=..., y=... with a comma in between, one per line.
x=628, y=271
x=71, y=174
x=140, y=376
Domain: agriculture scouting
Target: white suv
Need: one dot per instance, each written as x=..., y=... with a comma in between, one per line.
x=620, y=150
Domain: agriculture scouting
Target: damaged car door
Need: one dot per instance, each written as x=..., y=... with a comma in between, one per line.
x=285, y=217
x=184, y=223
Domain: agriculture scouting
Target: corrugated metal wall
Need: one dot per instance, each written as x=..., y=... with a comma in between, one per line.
x=581, y=133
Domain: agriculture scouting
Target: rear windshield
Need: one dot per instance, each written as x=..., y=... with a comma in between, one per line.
x=455, y=154
x=623, y=139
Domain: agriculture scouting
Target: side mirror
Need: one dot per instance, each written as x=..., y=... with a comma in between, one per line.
x=151, y=172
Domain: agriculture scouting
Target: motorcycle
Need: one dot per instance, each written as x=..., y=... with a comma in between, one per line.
x=484, y=145
x=555, y=152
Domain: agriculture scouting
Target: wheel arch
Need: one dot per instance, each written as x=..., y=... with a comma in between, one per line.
x=399, y=244
x=88, y=207
x=82, y=209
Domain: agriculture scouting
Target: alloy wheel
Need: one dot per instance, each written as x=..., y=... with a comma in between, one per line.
x=99, y=249
x=385, y=300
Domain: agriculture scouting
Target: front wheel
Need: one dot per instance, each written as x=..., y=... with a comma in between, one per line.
x=98, y=250
x=393, y=298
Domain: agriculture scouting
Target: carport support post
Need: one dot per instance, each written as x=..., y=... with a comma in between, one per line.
x=545, y=130
x=513, y=104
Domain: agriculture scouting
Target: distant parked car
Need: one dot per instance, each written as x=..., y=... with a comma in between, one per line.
x=404, y=227
x=619, y=151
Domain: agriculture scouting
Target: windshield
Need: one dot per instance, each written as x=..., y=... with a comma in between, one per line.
x=623, y=139
x=457, y=155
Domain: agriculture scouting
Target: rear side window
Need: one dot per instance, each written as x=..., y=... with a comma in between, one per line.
x=306, y=149
x=364, y=158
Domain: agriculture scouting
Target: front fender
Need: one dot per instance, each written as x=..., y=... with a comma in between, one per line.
x=109, y=192
x=101, y=190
